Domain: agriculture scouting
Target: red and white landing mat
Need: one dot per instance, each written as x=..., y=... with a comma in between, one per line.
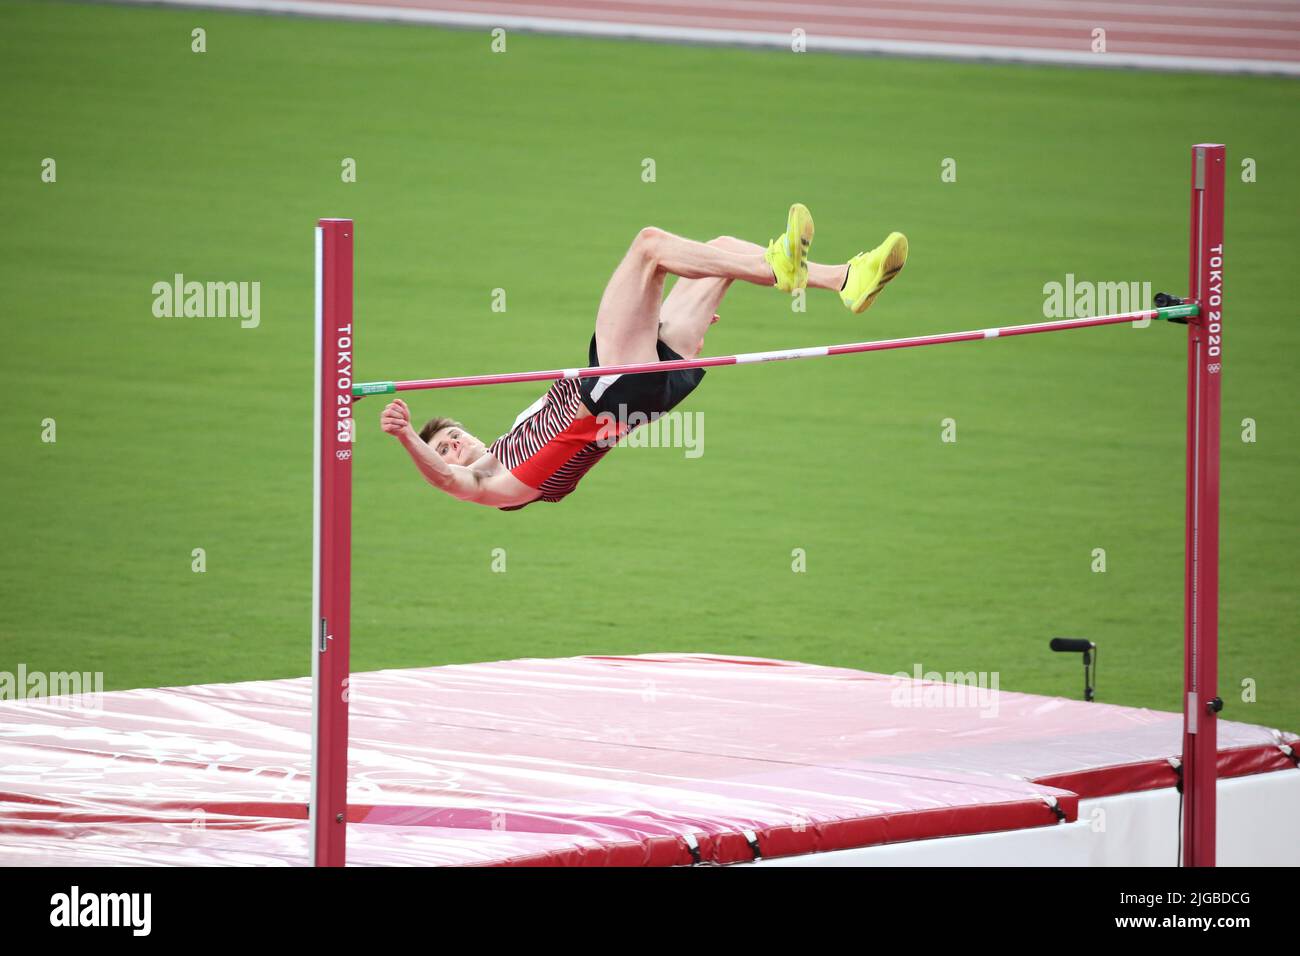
x=652, y=760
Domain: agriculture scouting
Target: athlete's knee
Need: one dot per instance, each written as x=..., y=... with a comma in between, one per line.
x=648, y=244
x=678, y=337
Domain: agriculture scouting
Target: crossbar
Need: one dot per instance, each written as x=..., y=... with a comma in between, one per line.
x=1175, y=313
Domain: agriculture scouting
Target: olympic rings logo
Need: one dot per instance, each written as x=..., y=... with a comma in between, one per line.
x=343, y=454
x=1213, y=368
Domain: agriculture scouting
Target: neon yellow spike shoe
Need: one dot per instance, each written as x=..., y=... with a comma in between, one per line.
x=870, y=271
x=788, y=255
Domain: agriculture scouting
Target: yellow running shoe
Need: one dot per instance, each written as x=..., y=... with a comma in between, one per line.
x=788, y=255
x=869, y=271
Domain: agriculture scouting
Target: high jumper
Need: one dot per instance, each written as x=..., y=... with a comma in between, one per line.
x=560, y=437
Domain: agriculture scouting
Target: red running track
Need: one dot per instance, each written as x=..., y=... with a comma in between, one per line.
x=1259, y=36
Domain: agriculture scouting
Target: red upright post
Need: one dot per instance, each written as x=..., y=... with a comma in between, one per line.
x=332, y=542
x=1201, y=595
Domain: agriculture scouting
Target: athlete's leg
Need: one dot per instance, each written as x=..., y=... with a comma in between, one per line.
x=627, y=324
x=688, y=311
x=692, y=304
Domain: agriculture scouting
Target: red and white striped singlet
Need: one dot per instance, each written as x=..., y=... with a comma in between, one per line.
x=549, y=447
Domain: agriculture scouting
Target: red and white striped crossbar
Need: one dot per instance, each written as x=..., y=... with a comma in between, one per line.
x=1177, y=312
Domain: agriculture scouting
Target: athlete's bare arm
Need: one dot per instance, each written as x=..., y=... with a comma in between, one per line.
x=485, y=482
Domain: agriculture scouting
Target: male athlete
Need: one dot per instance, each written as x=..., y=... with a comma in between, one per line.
x=557, y=439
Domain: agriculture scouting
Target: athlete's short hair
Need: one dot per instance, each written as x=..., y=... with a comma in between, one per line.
x=435, y=425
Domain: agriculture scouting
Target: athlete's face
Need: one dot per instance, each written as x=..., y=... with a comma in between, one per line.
x=456, y=446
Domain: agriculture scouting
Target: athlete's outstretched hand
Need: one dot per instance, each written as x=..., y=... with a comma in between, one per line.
x=396, y=417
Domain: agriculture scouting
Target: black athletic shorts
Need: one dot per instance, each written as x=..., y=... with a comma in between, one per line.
x=650, y=393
